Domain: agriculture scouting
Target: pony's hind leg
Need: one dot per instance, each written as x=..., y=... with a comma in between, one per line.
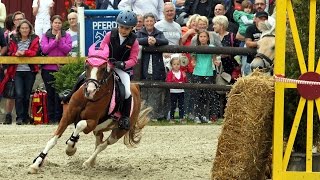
x=71, y=142
x=115, y=135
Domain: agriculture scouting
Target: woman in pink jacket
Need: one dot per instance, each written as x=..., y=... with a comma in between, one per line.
x=55, y=42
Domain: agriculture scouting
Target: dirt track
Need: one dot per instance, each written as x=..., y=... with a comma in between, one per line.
x=165, y=152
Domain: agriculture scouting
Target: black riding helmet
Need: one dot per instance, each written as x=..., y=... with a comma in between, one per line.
x=127, y=18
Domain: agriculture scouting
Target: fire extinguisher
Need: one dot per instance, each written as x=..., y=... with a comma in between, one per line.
x=36, y=108
x=39, y=107
x=44, y=97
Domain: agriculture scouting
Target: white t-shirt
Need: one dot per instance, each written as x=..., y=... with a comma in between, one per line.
x=171, y=30
x=44, y=9
x=74, y=37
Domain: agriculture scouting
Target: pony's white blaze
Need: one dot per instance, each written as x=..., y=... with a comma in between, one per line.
x=91, y=89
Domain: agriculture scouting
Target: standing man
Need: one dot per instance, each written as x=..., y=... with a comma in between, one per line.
x=107, y=4
x=261, y=5
x=143, y=6
x=220, y=9
x=73, y=31
x=172, y=32
x=42, y=10
x=170, y=29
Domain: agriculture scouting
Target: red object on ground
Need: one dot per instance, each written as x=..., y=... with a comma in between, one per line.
x=39, y=107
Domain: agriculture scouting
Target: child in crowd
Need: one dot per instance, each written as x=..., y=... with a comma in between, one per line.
x=176, y=95
x=244, y=18
x=203, y=72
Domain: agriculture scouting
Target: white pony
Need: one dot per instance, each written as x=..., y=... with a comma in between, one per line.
x=264, y=58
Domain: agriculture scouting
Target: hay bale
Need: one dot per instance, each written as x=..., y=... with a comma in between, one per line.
x=246, y=138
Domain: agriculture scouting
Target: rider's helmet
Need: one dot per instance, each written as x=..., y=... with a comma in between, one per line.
x=127, y=18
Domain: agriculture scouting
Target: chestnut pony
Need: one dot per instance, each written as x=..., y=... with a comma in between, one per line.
x=87, y=109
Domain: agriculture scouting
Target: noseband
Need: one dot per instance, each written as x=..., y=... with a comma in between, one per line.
x=265, y=59
x=96, y=83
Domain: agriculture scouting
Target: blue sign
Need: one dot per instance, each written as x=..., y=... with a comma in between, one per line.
x=97, y=24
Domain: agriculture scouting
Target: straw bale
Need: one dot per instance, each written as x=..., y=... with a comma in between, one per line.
x=246, y=138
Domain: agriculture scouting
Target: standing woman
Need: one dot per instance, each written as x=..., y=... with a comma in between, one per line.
x=228, y=39
x=24, y=44
x=55, y=42
x=11, y=23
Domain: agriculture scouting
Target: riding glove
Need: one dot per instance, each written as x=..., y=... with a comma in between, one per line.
x=119, y=64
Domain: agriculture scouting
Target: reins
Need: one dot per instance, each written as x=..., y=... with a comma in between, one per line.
x=98, y=85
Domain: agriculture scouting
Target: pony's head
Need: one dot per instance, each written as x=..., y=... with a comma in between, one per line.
x=98, y=70
x=266, y=46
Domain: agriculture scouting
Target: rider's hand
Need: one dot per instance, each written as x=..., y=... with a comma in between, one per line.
x=119, y=64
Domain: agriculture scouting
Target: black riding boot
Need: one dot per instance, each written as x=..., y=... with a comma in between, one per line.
x=65, y=96
x=124, y=121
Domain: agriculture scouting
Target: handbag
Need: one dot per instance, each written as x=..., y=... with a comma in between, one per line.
x=9, y=90
x=222, y=78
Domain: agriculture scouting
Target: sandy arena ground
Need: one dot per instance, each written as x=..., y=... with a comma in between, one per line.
x=165, y=152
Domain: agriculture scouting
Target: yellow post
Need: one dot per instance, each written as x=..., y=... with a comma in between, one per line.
x=280, y=159
x=279, y=89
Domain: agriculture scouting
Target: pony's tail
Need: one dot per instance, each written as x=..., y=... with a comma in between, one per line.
x=134, y=135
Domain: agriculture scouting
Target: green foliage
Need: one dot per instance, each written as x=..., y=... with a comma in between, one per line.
x=65, y=25
x=301, y=10
x=68, y=75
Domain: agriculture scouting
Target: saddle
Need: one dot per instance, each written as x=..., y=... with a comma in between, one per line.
x=116, y=103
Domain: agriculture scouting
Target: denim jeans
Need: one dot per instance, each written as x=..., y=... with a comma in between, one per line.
x=23, y=82
x=54, y=103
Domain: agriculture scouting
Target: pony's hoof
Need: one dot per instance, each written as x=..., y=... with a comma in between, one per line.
x=71, y=151
x=33, y=169
x=88, y=164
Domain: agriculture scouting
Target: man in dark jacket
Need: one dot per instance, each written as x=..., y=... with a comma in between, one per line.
x=201, y=7
x=107, y=4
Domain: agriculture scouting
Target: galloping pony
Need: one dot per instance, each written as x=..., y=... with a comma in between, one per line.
x=264, y=58
x=89, y=109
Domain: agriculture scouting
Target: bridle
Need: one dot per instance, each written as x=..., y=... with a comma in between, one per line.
x=98, y=83
x=265, y=59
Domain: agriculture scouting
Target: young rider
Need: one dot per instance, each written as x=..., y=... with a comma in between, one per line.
x=123, y=53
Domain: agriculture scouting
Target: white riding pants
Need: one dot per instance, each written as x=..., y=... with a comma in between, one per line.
x=41, y=26
x=125, y=79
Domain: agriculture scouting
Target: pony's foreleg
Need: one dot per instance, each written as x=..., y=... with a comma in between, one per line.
x=71, y=142
x=113, y=138
x=38, y=161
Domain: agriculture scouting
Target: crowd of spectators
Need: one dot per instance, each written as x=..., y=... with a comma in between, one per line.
x=216, y=23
